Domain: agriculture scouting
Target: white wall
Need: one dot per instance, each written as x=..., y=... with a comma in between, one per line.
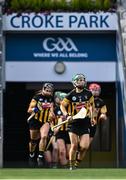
x=44, y=71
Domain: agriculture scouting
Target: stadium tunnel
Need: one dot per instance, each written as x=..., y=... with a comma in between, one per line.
x=16, y=134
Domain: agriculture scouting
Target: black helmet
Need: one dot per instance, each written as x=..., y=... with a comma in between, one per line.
x=48, y=85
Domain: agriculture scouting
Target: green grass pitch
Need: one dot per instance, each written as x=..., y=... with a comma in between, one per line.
x=84, y=173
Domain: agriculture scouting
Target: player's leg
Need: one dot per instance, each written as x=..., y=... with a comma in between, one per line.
x=73, y=149
x=83, y=147
x=62, y=152
x=67, y=151
x=48, y=157
x=42, y=144
x=55, y=158
x=34, y=140
x=91, y=137
x=67, y=145
x=92, y=132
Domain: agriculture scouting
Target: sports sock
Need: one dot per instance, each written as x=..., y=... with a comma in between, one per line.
x=77, y=162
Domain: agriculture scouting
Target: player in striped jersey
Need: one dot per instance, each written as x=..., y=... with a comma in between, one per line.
x=78, y=130
x=62, y=135
x=100, y=110
x=42, y=105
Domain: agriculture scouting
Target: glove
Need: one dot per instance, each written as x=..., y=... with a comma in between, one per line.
x=50, y=133
x=69, y=118
x=64, y=117
x=35, y=109
x=103, y=117
x=93, y=122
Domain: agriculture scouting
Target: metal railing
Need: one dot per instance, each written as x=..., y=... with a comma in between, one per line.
x=122, y=3
x=2, y=83
x=121, y=52
x=122, y=28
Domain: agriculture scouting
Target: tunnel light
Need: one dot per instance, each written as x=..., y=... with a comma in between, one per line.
x=59, y=67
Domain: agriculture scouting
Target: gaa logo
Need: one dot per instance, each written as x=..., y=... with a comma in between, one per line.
x=58, y=44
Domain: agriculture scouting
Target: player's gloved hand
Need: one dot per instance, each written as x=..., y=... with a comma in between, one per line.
x=35, y=109
x=93, y=122
x=103, y=117
x=64, y=117
x=50, y=133
x=69, y=118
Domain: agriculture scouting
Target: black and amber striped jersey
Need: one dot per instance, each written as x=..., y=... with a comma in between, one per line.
x=44, y=104
x=100, y=107
x=75, y=101
x=59, y=117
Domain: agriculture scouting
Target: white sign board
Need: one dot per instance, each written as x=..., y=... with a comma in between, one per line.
x=99, y=21
x=38, y=71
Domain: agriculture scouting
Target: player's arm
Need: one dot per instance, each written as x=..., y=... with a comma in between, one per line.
x=52, y=117
x=103, y=111
x=63, y=106
x=52, y=109
x=56, y=130
x=32, y=105
x=91, y=105
x=92, y=108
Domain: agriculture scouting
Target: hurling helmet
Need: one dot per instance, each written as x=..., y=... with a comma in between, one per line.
x=60, y=95
x=94, y=87
x=48, y=85
x=75, y=79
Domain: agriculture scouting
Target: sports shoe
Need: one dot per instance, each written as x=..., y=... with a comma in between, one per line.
x=55, y=165
x=76, y=164
x=72, y=165
x=72, y=168
x=40, y=161
x=32, y=160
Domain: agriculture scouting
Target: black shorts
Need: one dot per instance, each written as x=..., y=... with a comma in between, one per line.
x=63, y=135
x=80, y=126
x=92, y=130
x=34, y=124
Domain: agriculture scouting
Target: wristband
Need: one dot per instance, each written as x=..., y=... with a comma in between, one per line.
x=35, y=109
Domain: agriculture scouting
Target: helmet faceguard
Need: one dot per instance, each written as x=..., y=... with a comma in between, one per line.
x=79, y=81
x=95, y=89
